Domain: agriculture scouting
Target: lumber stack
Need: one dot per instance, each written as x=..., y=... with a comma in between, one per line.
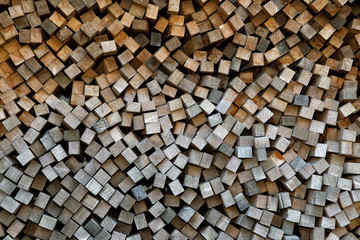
x=206, y=119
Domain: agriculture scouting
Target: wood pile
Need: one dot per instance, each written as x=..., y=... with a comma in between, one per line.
x=206, y=119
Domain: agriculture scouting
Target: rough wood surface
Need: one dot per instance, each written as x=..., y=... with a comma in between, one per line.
x=206, y=119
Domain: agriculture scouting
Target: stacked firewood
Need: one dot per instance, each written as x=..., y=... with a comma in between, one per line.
x=206, y=119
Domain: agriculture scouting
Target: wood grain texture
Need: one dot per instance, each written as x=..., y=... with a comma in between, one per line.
x=206, y=119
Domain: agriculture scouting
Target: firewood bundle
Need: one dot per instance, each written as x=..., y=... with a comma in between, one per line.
x=156, y=119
